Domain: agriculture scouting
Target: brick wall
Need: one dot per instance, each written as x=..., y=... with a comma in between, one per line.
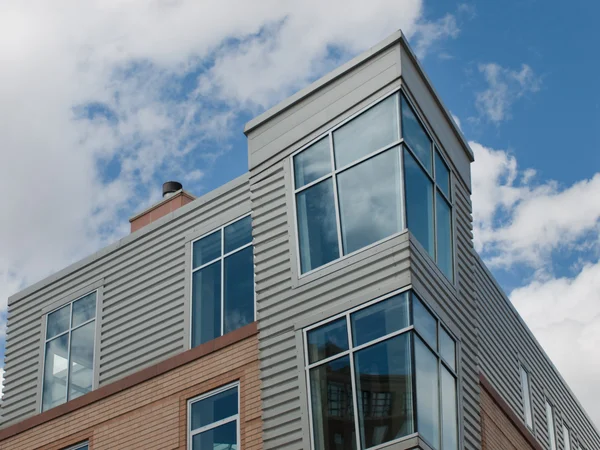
x=501, y=428
x=151, y=415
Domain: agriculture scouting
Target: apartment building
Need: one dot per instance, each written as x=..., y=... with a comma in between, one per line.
x=329, y=299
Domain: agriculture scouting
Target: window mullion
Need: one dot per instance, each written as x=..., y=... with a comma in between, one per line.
x=68, y=366
x=440, y=397
x=338, y=219
x=354, y=387
x=222, y=280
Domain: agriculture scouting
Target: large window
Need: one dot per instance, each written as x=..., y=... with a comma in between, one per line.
x=222, y=281
x=551, y=426
x=379, y=373
x=526, y=392
x=69, y=351
x=368, y=179
x=214, y=421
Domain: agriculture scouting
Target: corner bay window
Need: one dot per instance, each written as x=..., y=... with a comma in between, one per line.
x=368, y=179
x=69, y=351
x=222, y=281
x=379, y=373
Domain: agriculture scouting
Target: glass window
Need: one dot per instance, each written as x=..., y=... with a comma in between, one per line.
x=69, y=352
x=526, y=391
x=424, y=322
x=447, y=348
x=419, y=203
x=82, y=446
x=551, y=426
x=566, y=438
x=222, y=281
x=372, y=130
x=213, y=421
x=381, y=354
x=415, y=136
x=313, y=163
x=444, y=236
x=317, y=227
x=370, y=201
x=442, y=175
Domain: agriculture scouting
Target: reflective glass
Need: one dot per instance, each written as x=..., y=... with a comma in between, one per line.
x=84, y=309
x=424, y=322
x=370, y=131
x=427, y=394
x=380, y=319
x=327, y=340
x=447, y=348
x=56, y=366
x=317, y=226
x=332, y=407
x=526, y=398
x=384, y=383
x=238, y=234
x=419, y=202
x=370, y=201
x=312, y=163
x=449, y=414
x=238, y=290
x=414, y=134
x=551, y=429
x=444, y=236
x=223, y=437
x=82, y=360
x=442, y=175
x=207, y=249
x=206, y=304
x=58, y=321
x=214, y=408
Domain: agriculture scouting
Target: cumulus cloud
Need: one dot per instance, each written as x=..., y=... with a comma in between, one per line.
x=504, y=87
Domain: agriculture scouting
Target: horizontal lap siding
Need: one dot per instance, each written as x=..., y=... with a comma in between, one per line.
x=505, y=337
x=143, y=307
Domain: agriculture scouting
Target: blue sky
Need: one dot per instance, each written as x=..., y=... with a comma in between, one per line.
x=105, y=100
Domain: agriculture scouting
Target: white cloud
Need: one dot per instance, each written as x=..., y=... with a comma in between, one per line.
x=505, y=86
x=431, y=32
x=456, y=120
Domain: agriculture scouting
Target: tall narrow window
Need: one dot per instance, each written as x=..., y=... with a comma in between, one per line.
x=214, y=420
x=222, y=281
x=369, y=370
x=526, y=391
x=566, y=437
x=551, y=426
x=69, y=351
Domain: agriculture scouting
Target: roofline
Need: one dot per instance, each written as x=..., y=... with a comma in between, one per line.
x=129, y=239
x=162, y=202
x=394, y=38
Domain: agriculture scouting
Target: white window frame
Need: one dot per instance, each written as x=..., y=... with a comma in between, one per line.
x=551, y=426
x=401, y=143
x=220, y=259
x=526, y=395
x=69, y=332
x=567, y=438
x=191, y=433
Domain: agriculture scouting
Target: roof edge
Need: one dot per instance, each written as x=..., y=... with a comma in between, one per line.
x=181, y=192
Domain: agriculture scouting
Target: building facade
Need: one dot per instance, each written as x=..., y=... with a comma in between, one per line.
x=330, y=298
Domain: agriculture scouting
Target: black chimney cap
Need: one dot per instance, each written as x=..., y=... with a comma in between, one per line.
x=171, y=187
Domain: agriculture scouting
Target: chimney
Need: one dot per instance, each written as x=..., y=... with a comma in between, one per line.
x=173, y=197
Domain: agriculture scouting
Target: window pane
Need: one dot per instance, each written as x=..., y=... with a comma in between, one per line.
x=206, y=304
x=82, y=360
x=566, y=438
x=223, y=437
x=370, y=131
x=238, y=234
x=449, y=414
x=214, y=408
x=56, y=365
x=444, y=236
x=442, y=175
x=370, y=202
x=327, y=340
x=332, y=407
x=526, y=398
x=84, y=309
x=551, y=429
x=427, y=394
x=239, y=290
x=58, y=321
x=384, y=383
x=448, y=348
x=424, y=322
x=414, y=134
x=312, y=163
x=207, y=249
x=419, y=202
x=317, y=226
x=380, y=319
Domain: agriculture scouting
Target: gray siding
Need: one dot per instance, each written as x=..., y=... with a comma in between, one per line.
x=145, y=301
x=505, y=342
